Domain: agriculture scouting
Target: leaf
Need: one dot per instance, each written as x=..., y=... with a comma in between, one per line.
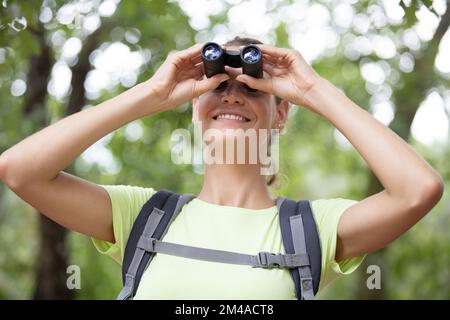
x=429, y=5
x=282, y=36
x=410, y=11
x=158, y=7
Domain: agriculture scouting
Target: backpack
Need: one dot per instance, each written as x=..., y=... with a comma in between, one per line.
x=298, y=228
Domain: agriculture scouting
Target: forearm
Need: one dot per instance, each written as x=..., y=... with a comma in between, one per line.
x=399, y=168
x=44, y=154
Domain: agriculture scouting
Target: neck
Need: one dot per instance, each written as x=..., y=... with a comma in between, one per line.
x=236, y=185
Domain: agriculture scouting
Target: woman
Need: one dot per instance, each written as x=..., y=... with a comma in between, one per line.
x=234, y=210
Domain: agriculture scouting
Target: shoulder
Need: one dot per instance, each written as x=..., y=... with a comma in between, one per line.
x=327, y=213
x=131, y=195
x=126, y=203
x=330, y=209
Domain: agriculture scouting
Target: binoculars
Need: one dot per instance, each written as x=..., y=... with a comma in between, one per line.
x=215, y=58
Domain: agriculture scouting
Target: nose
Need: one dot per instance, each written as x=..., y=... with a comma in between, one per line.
x=231, y=94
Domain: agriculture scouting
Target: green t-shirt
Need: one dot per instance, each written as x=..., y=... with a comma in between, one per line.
x=212, y=226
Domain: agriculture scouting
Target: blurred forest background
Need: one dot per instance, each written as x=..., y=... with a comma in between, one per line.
x=60, y=57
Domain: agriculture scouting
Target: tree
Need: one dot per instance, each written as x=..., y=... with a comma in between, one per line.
x=316, y=162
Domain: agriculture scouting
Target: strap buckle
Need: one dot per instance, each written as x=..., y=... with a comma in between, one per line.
x=270, y=260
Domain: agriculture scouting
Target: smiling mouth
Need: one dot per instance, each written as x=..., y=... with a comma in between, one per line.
x=231, y=116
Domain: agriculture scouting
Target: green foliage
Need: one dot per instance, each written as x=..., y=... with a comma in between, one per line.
x=313, y=164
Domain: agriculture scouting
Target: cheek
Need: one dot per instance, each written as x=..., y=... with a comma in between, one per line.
x=205, y=105
x=264, y=113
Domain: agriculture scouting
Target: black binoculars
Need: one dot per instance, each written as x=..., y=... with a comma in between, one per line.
x=249, y=58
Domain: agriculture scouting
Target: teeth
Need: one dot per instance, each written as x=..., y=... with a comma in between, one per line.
x=230, y=116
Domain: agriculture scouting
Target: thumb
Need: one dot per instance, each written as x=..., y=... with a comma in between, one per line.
x=209, y=84
x=255, y=83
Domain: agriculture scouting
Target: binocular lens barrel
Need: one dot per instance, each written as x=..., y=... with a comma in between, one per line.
x=251, y=55
x=212, y=52
x=215, y=58
x=251, y=58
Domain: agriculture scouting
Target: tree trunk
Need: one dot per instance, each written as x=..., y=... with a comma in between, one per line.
x=52, y=262
x=53, y=259
x=52, y=255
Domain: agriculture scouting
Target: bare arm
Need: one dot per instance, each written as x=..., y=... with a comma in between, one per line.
x=33, y=167
x=412, y=186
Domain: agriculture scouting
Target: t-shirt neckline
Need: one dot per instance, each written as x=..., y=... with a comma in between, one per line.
x=227, y=208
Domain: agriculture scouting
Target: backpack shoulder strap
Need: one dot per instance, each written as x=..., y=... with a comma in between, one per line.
x=300, y=236
x=153, y=221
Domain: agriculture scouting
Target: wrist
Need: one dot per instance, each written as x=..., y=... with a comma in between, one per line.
x=147, y=98
x=315, y=97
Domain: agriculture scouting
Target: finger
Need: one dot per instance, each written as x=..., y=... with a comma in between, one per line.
x=198, y=71
x=269, y=68
x=208, y=84
x=192, y=71
x=273, y=51
x=258, y=84
x=196, y=59
x=267, y=57
x=191, y=52
x=199, y=64
x=200, y=77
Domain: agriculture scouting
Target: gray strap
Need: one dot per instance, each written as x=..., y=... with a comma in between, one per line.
x=299, y=240
x=153, y=220
x=182, y=200
x=261, y=260
x=150, y=227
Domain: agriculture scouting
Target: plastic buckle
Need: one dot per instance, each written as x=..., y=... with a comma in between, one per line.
x=152, y=244
x=270, y=260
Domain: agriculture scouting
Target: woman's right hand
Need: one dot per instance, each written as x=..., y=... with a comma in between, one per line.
x=181, y=78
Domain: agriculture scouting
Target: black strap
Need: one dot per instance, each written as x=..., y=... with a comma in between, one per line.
x=164, y=200
x=312, y=241
x=288, y=209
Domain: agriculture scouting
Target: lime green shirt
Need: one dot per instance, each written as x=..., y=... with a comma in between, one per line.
x=212, y=226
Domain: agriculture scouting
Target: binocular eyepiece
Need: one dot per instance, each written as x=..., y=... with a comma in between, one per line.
x=215, y=58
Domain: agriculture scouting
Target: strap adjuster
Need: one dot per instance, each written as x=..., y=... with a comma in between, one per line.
x=129, y=280
x=147, y=243
x=306, y=284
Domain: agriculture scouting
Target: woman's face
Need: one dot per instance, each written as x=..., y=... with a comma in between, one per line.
x=235, y=107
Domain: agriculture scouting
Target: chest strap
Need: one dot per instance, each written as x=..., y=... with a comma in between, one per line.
x=261, y=260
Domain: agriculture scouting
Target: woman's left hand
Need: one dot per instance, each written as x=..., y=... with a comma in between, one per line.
x=290, y=76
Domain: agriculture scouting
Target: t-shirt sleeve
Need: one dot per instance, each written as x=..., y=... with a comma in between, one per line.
x=327, y=213
x=126, y=202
